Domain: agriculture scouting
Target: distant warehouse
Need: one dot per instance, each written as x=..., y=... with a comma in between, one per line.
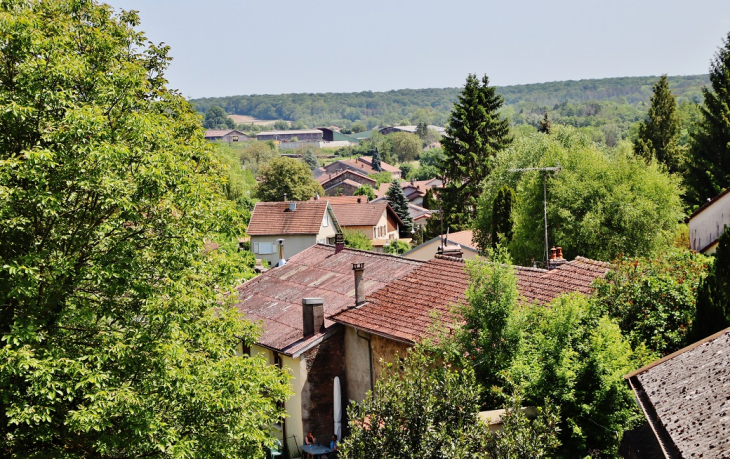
x=302, y=135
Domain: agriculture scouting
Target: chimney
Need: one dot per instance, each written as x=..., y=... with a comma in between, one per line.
x=552, y=253
x=339, y=242
x=359, y=200
x=560, y=253
x=281, y=261
x=312, y=315
x=359, y=268
x=292, y=206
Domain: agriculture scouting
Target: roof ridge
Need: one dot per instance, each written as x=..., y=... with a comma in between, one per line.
x=377, y=254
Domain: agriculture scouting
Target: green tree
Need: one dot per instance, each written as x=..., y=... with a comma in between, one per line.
x=118, y=340
x=365, y=190
x=399, y=203
x=653, y=298
x=216, y=118
x=422, y=130
x=357, y=128
x=423, y=410
x=377, y=167
x=544, y=125
x=709, y=163
x=405, y=146
x=310, y=158
x=286, y=176
x=475, y=134
x=397, y=247
x=502, y=216
x=281, y=125
x=659, y=132
x=713, y=296
x=257, y=154
x=357, y=240
x=240, y=183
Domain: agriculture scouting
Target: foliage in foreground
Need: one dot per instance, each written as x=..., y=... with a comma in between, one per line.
x=653, y=298
x=116, y=339
x=426, y=410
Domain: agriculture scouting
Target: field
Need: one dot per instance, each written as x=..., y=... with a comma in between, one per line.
x=241, y=119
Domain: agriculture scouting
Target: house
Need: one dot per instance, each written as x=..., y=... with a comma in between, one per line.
x=440, y=130
x=393, y=318
x=225, y=135
x=420, y=216
x=296, y=333
x=295, y=226
x=685, y=398
x=708, y=223
x=362, y=165
x=462, y=241
x=345, y=182
x=378, y=221
x=414, y=190
x=302, y=135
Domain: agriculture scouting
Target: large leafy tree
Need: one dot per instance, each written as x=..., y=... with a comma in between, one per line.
x=713, y=297
x=216, y=118
x=287, y=176
x=116, y=337
x=709, y=162
x=421, y=410
x=659, y=132
x=476, y=133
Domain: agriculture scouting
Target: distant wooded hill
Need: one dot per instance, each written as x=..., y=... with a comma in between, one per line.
x=618, y=102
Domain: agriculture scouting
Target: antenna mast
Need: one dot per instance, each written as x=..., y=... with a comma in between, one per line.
x=545, y=171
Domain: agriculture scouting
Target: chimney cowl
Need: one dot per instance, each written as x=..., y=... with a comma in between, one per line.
x=553, y=253
x=560, y=253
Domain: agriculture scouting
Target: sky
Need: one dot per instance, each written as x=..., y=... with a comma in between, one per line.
x=238, y=47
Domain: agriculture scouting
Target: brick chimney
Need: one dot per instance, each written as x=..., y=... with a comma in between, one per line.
x=359, y=269
x=339, y=242
x=312, y=315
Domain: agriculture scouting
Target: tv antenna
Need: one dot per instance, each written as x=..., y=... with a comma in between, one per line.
x=545, y=171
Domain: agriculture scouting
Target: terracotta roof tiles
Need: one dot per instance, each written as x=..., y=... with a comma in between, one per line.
x=273, y=218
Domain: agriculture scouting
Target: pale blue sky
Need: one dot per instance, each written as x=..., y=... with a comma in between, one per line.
x=232, y=47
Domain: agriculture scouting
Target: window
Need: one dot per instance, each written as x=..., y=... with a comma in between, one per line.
x=264, y=248
x=235, y=138
x=325, y=220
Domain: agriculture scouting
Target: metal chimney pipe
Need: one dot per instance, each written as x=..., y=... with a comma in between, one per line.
x=359, y=269
x=312, y=315
x=281, y=261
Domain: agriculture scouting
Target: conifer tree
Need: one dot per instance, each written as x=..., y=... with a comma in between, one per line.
x=377, y=167
x=658, y=133
x=399, y=203
x=544, y=126
x=311, y=158
x=475, y=134
x=713, y=297
x=709, y=168
x=502, y=216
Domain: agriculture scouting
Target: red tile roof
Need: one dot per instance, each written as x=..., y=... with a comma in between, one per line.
x=463, y=238
x=685, y=398
x=363, y=214
x=324, y=178
x=403, y=309
x=275, y=296
x=273, y=218
x=345, y=199
x=362, y=165
x=383, y=165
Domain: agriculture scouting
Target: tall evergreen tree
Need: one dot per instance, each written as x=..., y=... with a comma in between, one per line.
x=502, y=215
x=544, y=125
x=709, y=168
x=399, y=203
x=659, y=132
x=713, y=297
x=377, y=167
x=475, y=134
x=311, y=158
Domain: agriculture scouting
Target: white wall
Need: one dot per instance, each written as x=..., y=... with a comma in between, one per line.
x=293, y=244
x=357, y=364
x=708, y=225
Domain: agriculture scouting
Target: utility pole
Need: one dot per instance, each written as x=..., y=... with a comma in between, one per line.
x=545, y=171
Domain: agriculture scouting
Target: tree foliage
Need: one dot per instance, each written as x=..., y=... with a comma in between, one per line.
x=310, y=158
x=216, y=118
x=502, y=216
x=287, y=176
x=476, y=133
x=713, y=297
x=397, y=247
x=422, y=410
x=377, y=167
x=357, y=240
x=602, y=204
x=544, y=125
x=365, y=190
x=709, y=164
x=659, y=132
x=117, y=340
x=399, y=203
x=404, y=146
x=653, y=298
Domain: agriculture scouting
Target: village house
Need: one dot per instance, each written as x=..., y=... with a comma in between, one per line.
x=378, y=221
x=225, y=135
x=362, y=165
x=414, y=190
x=685, y=398
x=344, y=183
x=280, y=230
x=334, y=312
x=708, y=223
x=460, y=244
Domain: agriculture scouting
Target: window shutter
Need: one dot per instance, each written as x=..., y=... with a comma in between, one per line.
x=255, y=247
